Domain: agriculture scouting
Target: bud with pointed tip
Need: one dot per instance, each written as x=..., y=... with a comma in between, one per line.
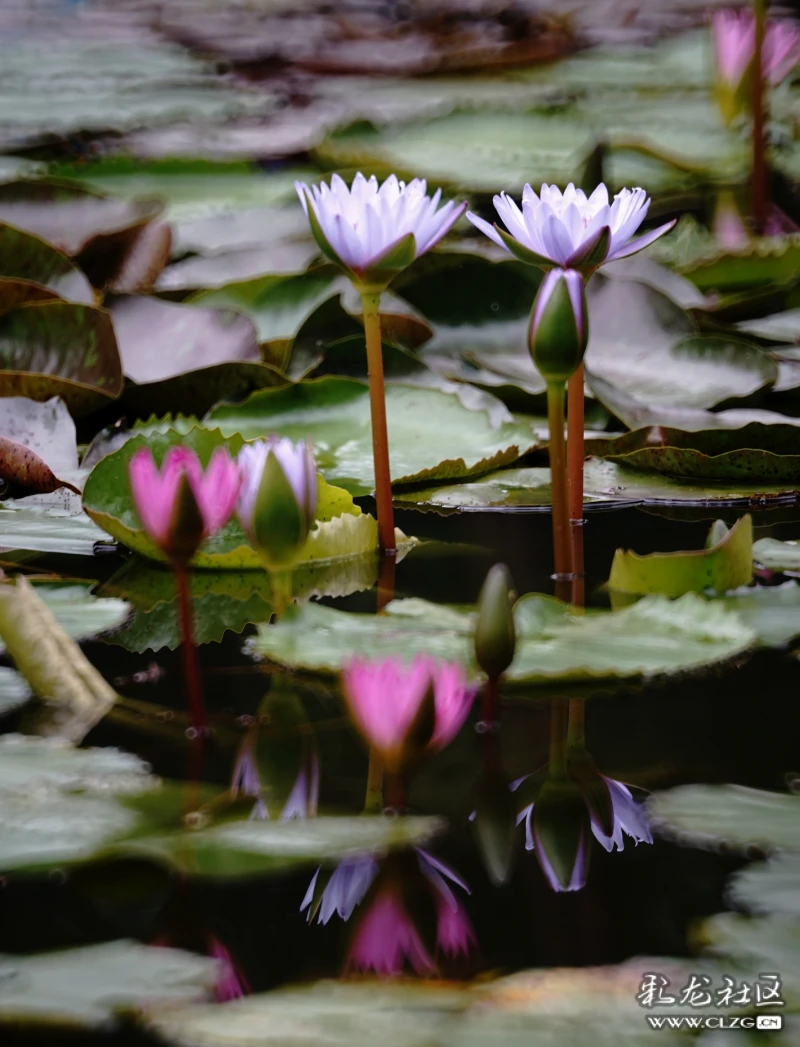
x=561, y=834
x=495, y=824
x=279, y=497
x=559, y=325
x=495, y=636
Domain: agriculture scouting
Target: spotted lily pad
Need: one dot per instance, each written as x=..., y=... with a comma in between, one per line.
x=431, y=434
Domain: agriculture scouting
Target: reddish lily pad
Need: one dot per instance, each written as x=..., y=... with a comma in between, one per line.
x=753, y=452
x=35, y=270
x=60, y=349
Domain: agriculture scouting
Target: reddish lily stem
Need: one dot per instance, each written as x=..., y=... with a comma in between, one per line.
x=386, y=572
x=558, y=482
x=371, y=304
x=396, y=790
x=760, y=186
x=373, y=801
x=559, y=713
x=575, y=456
x=191, y=670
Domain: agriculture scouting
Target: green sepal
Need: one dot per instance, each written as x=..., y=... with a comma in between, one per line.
x=322, y=241
x=186, y=525
x=495, y=826
x=523, y=253
x=394, y=260
x=279, y=527
x=592, y=252
x=581, y=768
x=561, y=827
x=495, y=635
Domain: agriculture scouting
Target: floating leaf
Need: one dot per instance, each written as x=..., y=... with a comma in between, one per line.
x=246, y=263
x=33, y=268
x=108, y=501
x=772, y=611
x=81, y=615
x=252, y=847
x=780, y=327
x=90, y=986
x=54, y=348
x=755, y=946
x=37, y=528
x=740, y=817
x=755, y=452
x=30, y=763
x=431, y=434
x=653, y=636
x=725, y=564
x=14, y=691
x=640, y=342
x=769, y=887
x=776, y=555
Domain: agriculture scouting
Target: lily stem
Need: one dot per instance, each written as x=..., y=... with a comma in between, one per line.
x=575, y=456
x=373, y=801
x=371, y=305
x=759, y=187
x=557, y=765
x=191, y=671
x=576, y=731
x=558, y=480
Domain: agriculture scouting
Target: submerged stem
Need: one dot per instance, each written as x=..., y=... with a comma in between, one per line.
x=370, y=302
x=557, y=765
x=558, y=479
x=576, y=731
x=575, y=455
x=191, y=671
x=373, y=801
x=759, y=188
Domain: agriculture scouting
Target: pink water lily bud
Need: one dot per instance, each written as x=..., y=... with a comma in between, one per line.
x=386, y=939
x=559, y=329
x=374, y=231
x=278, y=497
x=569, y=229
x=406, y=710
x=182, y=504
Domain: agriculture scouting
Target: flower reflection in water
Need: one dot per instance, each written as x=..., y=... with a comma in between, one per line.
x=394, y=931
x=231, y=983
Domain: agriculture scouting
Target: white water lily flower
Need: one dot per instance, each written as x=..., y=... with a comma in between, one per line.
x=569, y=229
x=372, y=231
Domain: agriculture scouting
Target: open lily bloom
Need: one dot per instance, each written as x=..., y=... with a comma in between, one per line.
x=346, y=888
x=569, y=229
x=158, y=496
x=371, y=231
x=386, y=700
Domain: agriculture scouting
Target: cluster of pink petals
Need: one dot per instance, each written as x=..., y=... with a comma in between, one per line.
x=361, y=224
x=734, y=38
x=231, y=983
x=385, y=697
x=155, y=491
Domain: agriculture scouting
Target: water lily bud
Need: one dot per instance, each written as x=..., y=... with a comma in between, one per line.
x=561, y=834
x=596, y=791
x=559, y=326
x=495, y=825
x=278, y=499
x=495, y=636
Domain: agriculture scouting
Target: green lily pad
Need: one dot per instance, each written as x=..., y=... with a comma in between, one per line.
x=431, y=434
x=772, y=611
x=14, y=691
x=89, y=987
x=769, y=887
x=765, y=944
x=740, y=817
x=33, y=267
x=725, y=564
x=640, y=342
x=536, y=147
x=776, y=555
x=255, y=846
x=81, y=615
x=342, y=531
x=244, y=263
x=277, y=305
x=28, y=763
x=651, y=637
x=37, y=528
x=754, y=452
x=58, y=349
x=780, y=327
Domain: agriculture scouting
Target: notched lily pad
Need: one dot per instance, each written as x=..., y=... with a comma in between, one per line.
x=34, y=270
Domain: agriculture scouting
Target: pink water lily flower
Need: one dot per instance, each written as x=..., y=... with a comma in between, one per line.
x=569, y=229
x=385, y=699
x=733, y=34
x=372, y=231
x=156, y=496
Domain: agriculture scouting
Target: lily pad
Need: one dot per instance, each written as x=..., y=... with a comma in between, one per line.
x=245, y=263
x=755, y=452
x=30, y=763
x=255, y=846
x=765, y=944
x=734, y=815
x=772, y=611
x=776, y=555
x=37, y=528
x=34, y=269
x=780, y=327
x=81, y=615
x=90, y=986
x=58, y=349
x=107, y=499
x=643, y=344
x=431, y=434
x=651, y=637
x=769, y=887
x=723, y=565
x=14, y=691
